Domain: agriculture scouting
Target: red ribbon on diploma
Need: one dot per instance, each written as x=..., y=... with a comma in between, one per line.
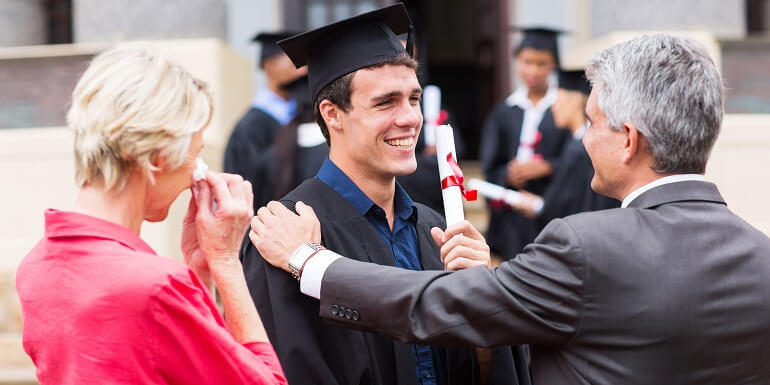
x=457, y=179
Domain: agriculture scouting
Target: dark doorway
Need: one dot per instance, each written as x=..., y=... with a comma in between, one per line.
x=464, y=50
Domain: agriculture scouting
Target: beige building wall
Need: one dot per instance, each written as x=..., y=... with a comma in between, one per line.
x=737, y=166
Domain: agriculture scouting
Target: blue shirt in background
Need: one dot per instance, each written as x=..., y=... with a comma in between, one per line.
x=281, y=110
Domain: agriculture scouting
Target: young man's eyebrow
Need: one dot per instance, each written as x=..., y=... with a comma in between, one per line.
x=386, y=96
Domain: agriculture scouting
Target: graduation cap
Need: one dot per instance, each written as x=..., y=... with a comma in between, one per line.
x=574, y=81
x=349, y=45
x=268, y=41
x=541, y=39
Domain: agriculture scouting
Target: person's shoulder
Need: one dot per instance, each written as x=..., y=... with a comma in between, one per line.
x=600, y=219
x=503, y=108
x=326, y=203
x=254, y=118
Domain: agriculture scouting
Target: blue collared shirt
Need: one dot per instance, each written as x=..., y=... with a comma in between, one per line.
x=281, y=110
x=402, y=240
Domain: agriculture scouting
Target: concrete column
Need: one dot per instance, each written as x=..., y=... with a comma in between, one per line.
x=116, y=20
x=22, y=22
x=725, y=19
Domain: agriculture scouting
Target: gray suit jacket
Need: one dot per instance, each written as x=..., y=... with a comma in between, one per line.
x=674, y=289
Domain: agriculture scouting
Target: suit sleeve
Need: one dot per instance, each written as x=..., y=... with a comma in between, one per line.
x=194, y=347
x=493, y=159
x=535, y=298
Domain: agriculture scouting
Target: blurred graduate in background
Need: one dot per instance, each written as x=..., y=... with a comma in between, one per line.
x=520, y=145
x=569, y=191
x=274, y=106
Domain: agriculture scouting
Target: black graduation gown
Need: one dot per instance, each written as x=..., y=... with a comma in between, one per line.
x=246, y=152
x=509, y=231
x=315, y=353
x=570, y=189
x=309, y=161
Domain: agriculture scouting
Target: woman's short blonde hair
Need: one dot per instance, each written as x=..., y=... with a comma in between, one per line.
x=131, y=105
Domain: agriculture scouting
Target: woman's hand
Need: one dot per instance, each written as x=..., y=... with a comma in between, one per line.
x=521, y=173
x=220, y=227
x=193, y=256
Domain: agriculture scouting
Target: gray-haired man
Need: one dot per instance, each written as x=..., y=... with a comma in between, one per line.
x=671, y=288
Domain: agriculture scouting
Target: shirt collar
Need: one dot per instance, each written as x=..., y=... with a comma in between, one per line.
x=659, y=182
x=330, y=174
x=281, y=110
x=69, y=224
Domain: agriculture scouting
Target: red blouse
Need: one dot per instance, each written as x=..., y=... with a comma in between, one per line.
x=101, y=307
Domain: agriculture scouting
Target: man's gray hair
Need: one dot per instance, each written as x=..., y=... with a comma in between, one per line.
x=670, y=89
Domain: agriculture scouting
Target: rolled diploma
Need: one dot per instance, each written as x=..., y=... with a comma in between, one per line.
x=495, y=192
x=431, y=101
x=453, y=198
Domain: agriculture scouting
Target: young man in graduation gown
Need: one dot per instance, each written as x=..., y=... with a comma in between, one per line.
x=367, y=102
x=272, y=108
x=670, y=288
x=520, y=144
x=569, y=191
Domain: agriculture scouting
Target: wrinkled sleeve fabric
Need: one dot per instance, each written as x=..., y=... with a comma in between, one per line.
x=193, y=346
x=536, y=298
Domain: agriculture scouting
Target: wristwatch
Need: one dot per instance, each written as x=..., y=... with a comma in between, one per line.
x=300, y=257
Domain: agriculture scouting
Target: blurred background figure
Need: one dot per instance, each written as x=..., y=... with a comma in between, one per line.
x=299, y=149
x=274, y=106
x=521, y=145
x=569, y=191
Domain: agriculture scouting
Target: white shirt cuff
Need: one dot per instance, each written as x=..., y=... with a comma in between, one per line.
x=313, y=273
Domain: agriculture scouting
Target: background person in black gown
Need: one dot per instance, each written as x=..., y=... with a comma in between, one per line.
x=569, y=191
x=521, y=146
x=272, y=108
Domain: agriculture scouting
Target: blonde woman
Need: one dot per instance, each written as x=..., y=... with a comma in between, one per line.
x=99, y=305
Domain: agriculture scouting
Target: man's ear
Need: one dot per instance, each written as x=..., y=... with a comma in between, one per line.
x=632, y=142
x=331, y=114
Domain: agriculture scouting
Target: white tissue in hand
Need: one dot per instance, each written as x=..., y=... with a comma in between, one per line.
x=200, y=169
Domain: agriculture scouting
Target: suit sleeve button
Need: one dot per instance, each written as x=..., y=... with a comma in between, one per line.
x=334, y=309
x=348, y=314
x=356, y=316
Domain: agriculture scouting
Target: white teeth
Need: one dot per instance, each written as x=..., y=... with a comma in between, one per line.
x=408, y=142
